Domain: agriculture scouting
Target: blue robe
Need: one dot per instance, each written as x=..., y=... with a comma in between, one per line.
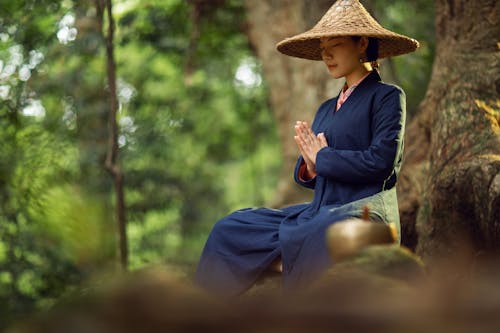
x=359, y=167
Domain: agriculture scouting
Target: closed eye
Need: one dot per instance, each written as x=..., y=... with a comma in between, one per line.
x=323, y=48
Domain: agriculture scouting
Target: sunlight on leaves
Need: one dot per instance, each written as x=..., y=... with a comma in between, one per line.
x=79, y=225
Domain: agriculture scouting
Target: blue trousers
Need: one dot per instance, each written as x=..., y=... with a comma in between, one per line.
x=243, y=244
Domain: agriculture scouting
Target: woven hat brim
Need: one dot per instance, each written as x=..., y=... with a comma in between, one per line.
x=306, y=45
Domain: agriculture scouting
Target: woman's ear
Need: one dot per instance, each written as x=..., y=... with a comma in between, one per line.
x=363, y=45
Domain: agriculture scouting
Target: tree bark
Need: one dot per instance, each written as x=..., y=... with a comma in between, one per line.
x=451, y=178
x=297, y=87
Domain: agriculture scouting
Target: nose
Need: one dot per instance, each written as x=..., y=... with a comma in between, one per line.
x=326, y=55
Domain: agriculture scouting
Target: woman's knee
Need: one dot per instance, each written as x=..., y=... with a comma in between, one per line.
x=223, y=226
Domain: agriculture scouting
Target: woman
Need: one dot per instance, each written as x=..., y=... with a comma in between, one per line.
x=350, y=157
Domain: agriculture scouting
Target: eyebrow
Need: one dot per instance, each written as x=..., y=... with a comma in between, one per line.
x=329, y=39
x=322, y=45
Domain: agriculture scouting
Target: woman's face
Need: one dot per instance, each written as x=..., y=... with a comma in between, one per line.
x=341, y=54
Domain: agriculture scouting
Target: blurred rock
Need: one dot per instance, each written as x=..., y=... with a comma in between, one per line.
x=391, y=261
x=376, y=291
x=347, y=237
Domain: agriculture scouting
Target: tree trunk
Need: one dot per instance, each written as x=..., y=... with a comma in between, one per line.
x=104, y=7
x=453, y=145
x=297, y=87
x=86, y=92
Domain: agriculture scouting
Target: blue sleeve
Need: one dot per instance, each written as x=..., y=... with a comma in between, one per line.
x=377, y=162
x=309, y=183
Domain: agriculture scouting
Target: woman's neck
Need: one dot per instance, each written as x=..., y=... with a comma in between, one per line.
x=356, y=75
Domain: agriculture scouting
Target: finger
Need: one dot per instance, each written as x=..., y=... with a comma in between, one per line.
x=297, y=129
x=304, y=147
x=304, y=154
x=302, y=134
x=310, y=132
x=298, y=140
x=306, y=138
x=300, y=143
x=303, y=126
x=305, y=134
x=298, y=126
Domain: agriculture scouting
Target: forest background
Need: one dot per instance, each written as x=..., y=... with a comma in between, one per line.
x=199, y=133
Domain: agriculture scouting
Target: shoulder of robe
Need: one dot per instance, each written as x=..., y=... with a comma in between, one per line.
x=326, y=104
x=387, y=90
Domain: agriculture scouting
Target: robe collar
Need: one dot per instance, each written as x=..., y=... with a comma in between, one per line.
x=372, y=78
x=347, y=91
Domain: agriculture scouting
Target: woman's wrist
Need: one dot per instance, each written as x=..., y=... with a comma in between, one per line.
x=303, y=173
x=310, y=171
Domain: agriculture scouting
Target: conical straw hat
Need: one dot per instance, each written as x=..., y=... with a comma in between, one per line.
x=346, y=18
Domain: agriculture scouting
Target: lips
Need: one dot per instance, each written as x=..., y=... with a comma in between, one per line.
x=332, y=66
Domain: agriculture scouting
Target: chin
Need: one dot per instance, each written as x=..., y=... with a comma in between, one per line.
x=336, y=75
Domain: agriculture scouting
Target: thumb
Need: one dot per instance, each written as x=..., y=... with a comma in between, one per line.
x=322, y=139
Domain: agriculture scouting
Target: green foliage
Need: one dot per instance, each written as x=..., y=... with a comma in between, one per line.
x=415, y=19
x=44, y=230
x=190, y=123
x=84, y=239
x=184, y=123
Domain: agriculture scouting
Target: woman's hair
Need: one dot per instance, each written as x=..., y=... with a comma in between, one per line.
x=372, y=48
